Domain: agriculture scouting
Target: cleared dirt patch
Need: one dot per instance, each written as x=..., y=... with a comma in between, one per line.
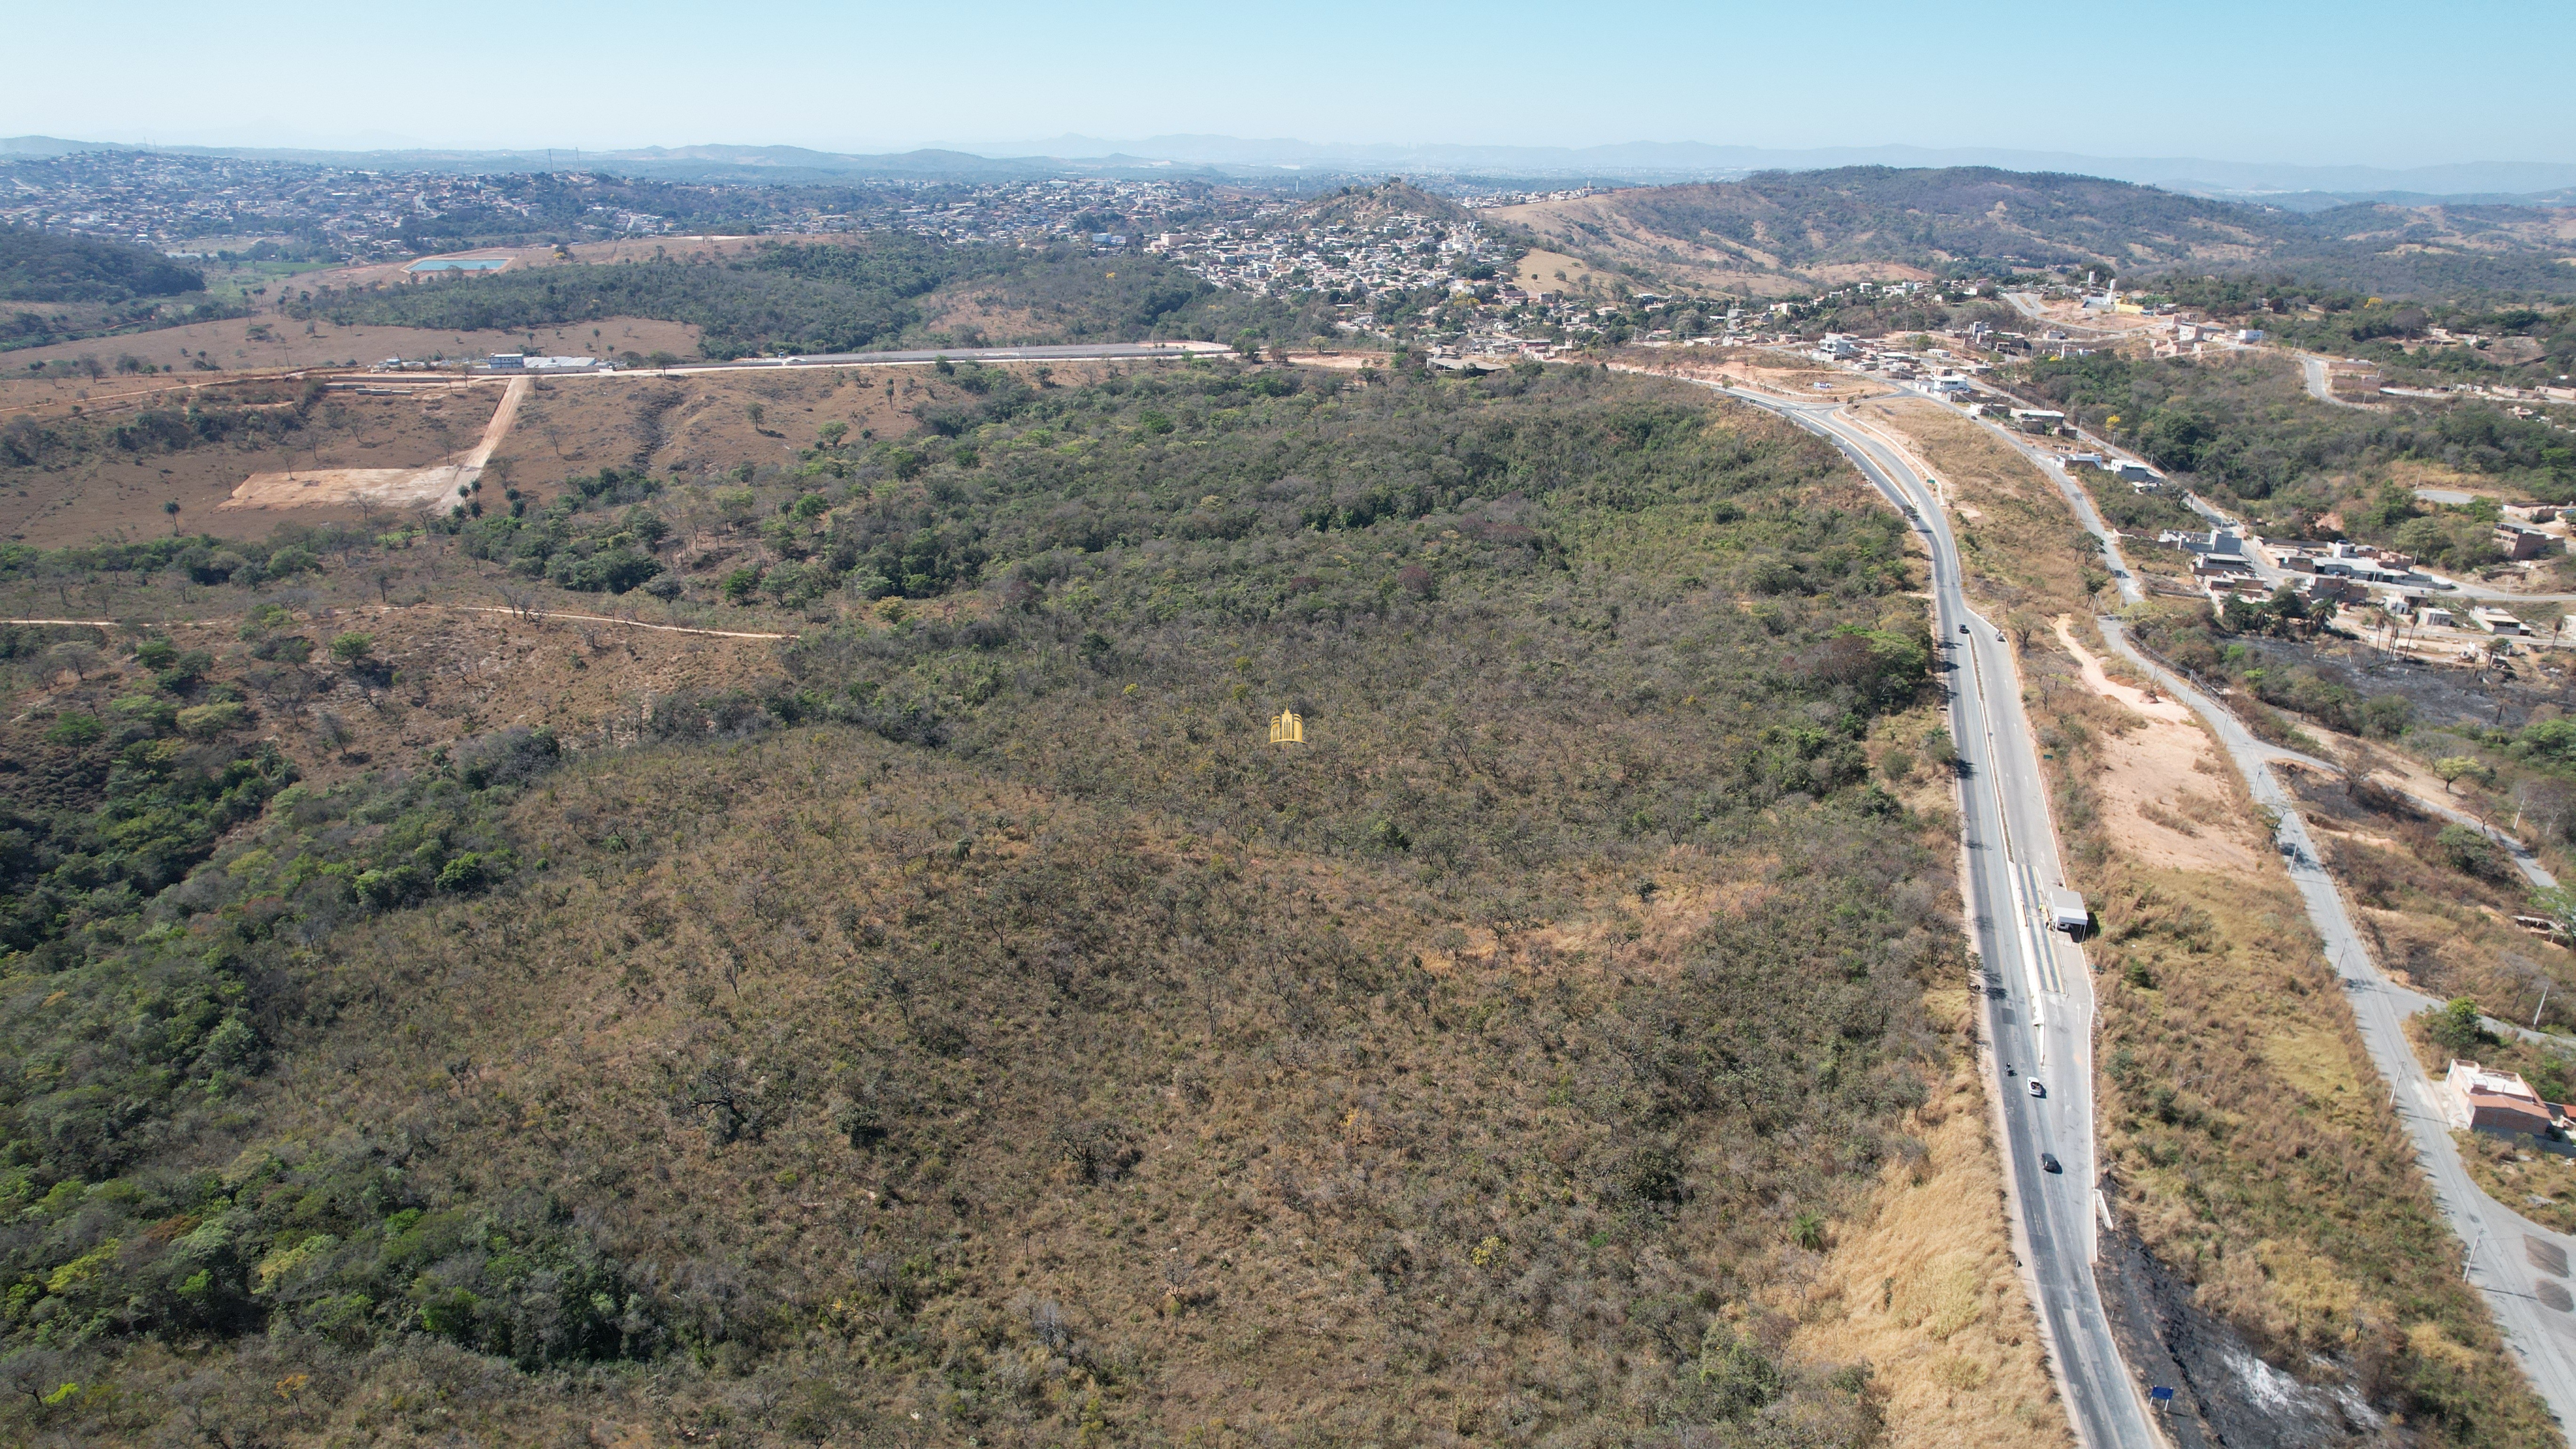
x=1556, y=272
x=269, y=341
x=399, y=488
x=2160, y=788
x=2152, y=706
x=88, y=482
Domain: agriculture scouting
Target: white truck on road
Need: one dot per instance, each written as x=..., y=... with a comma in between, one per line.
x=2067, y=912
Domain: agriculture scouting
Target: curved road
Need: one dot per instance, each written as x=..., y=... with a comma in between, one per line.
x=2039, y=989
x=2321, y=383
x=2520, y=1266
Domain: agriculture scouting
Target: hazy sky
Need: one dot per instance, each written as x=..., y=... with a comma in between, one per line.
x=2361, y=81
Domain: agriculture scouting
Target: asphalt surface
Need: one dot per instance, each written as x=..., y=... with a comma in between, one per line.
x=2038, y=989
x=2321, y=383
x=2515, y=1263
x=2506, y=1250
x=1069, y=352
x=1074, y=352
x=2504, y=1246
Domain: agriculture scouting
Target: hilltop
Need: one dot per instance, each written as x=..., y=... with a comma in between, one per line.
x=1780, y=232
x=38, y=266
x=1394, y=197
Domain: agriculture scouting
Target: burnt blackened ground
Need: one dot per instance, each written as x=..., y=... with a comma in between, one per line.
x=2444, y=695
x=2225, y=1395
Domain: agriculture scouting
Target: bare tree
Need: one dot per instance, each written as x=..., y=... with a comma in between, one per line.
x=2548, y=803
x=75, y=655
x=286, y=690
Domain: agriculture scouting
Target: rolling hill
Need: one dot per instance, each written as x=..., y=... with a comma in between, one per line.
x=37, y=266
x=1781, y=232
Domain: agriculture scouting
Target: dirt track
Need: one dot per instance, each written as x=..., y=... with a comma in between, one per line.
x=403, y=488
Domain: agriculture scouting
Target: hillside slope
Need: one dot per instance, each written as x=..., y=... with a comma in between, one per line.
x=1781, y=232
x=962, y=1016
x=880, y=291
x=37, y=266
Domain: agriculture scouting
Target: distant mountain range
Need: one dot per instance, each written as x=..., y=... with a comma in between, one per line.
x=1696, y=161
x=742, y=165
x=2294, y=187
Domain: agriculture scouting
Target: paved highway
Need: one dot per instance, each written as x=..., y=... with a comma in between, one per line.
x=1072, y=352
x=2520, y=1266
x=1069, y=352
x=2039, y=989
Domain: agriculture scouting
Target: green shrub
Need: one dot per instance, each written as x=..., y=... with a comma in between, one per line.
x=206, y=721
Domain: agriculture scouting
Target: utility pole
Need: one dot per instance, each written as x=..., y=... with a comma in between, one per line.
x=2543, y=1006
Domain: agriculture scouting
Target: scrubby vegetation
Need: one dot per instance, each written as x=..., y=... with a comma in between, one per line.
x=41, y=266
x=2473, y=337
x=821, y=297
x=2243, y=1129
x=29, y=442
x=2245, y=430
x=976, y=1018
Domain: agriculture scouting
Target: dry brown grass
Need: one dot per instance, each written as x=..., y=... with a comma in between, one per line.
x=1599, y=226
x=2023, y=549
x=1924, y=1287
x=2431, y=925
x=1542, y=271
x=231, y=347
x=2539, y=1185
x=2243, y=1127
x=703, y=421
x=97, y=489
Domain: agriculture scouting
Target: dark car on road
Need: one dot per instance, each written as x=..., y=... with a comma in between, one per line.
x=2048, y=1162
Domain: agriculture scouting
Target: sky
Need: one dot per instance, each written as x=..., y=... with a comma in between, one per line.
x=2362, y=82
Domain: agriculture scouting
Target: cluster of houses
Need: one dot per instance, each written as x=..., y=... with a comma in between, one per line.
x=1457, y=267
x=1010, y=210
x=1403, y=252
x=168, y=202
x=2223, y=564
x=1486, y=200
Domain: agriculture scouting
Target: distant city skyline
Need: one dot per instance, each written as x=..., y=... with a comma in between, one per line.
x=2358, y=84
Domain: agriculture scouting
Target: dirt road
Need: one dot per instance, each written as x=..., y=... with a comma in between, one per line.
x=403, y=488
